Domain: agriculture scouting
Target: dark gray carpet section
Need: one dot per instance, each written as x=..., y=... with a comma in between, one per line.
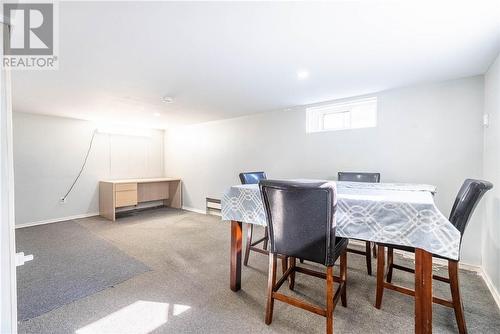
x=70, y=263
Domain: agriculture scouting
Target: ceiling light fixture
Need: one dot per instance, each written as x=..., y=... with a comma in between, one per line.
x=167, y=99
x=302, y=74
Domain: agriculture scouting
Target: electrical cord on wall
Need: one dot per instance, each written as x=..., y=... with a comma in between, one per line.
x=63, y=199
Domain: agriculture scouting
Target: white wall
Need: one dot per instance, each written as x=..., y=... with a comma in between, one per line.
x=491, y=227
x=425, y=134
x=48, y=153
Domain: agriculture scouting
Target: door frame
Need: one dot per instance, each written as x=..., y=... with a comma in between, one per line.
x=8, y=292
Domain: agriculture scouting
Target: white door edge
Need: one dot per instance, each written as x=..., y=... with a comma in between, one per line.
x=8, y=293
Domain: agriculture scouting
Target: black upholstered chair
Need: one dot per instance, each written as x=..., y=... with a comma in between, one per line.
x=359, y=177
x=300, y=219
x=253, y=178
x=362, y=177
x=468, y=197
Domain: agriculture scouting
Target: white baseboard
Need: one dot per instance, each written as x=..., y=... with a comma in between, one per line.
x=442, y=262
x=491, y=286
x=187, y=208
x=57, y=220
x=203, y=212
x=436, y=261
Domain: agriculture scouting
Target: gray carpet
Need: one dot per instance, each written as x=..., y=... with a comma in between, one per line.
x=70, y=263
x=187, y=290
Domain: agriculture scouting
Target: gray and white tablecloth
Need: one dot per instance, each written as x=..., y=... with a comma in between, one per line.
x=401, y=214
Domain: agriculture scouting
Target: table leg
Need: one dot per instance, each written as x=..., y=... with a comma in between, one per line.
x=236, y=241
x=423, y=292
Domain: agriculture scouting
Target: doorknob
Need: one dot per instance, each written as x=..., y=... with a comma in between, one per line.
x=21, y=258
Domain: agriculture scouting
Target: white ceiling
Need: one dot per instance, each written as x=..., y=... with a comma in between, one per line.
x=221, y=60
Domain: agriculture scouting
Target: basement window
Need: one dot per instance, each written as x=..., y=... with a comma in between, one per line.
x=353, y=114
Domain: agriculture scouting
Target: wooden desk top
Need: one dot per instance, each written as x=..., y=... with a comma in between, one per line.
x=158, y=179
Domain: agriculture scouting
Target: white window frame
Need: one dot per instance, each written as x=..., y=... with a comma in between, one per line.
x=316, y=115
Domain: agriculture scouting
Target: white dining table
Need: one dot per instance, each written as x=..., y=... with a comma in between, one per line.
x=394, y=213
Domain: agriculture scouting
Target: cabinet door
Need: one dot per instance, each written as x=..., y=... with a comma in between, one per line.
x=125, y=198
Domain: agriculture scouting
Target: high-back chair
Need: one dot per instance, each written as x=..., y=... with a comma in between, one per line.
x=359, y=177
x=301, y=222
x=362, y=177
x=466, y=201
x=253, y=178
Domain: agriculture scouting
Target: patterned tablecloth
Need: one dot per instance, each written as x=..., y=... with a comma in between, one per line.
x=401, y=214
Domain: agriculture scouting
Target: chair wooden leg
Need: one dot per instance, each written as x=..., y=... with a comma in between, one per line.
x=455, y=296
x=390, y=263
x=271, y=281
x=266, y=236
x=343, y=278
x=329, y=300
x=249, y=243
x=291, y=283
x=368, y=256
x=380, y=276
x=284, y=264
x=301, y=260
x=374, y=248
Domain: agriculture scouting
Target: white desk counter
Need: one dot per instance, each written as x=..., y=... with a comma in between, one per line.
x=115, y=194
